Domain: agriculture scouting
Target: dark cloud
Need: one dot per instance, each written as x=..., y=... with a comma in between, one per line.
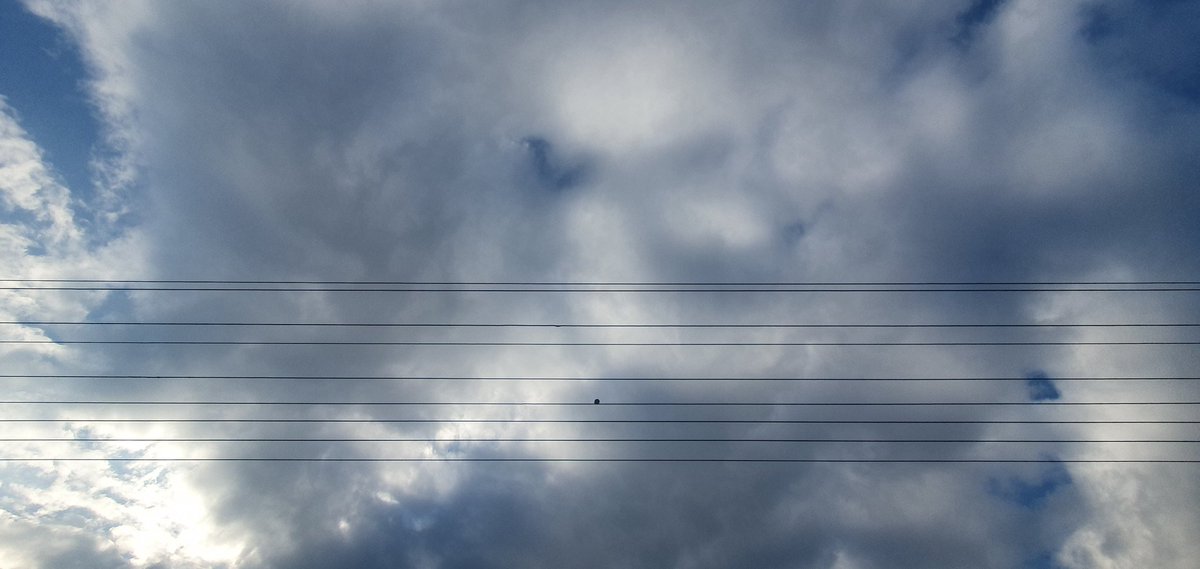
x=672, y=142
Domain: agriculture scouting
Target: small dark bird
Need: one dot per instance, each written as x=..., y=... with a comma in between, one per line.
x=596, y=402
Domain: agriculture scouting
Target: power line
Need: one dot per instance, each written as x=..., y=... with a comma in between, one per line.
x=454, y=343
x=574, y=440
x=616, y=459
x=606, y=283
x=402, y=378
x=626, y=421
x=620, y=289
x=609, y=404
x=587, y=287
x=589, y=325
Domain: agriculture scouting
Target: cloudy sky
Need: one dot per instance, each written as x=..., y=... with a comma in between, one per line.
x=611, y=142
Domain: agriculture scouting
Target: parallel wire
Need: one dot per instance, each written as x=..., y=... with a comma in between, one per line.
x=572, y=440
x=589, y=325
x=605, y=404
x=214, y=285
x=309, y=420
x=613, y=459
x=591, y=286
x=614, y=289
x=603, y=287
x=604, y=283
x=590, y=344
x=420, y=378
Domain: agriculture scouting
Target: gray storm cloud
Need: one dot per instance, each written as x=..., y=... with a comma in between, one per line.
x=651, y=142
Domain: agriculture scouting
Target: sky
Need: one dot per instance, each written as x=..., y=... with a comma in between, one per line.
x=570, y=142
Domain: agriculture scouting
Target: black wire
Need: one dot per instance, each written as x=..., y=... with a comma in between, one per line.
x=604, y=283
x=619, y=459
x=585, y=325
x=157, y=377
x=623, y=289
x=570, y=440
x=630, y=421
x=581, y=344
x=616, y=287
x=614, y=404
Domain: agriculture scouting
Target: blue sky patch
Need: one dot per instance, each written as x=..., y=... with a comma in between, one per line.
x=551, y=171
x=1043, y=561
x=977, y=15
x=1030, y=494
x=1041, y=387
x=41, y=77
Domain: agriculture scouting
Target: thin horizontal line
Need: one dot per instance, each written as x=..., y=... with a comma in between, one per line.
x=569, y=440
x=575, y=344
x=625, y=421
x=621, y=459
x=623, y=289
x=581, y=325
x=604, y=283
x=561, y=378
x=1046, y=403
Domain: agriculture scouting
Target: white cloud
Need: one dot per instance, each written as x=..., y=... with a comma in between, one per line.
x=773, y=142
x=645, y=87
x=30, y=189
x=146, y=515
x=1133, y=523
x=40, y=238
